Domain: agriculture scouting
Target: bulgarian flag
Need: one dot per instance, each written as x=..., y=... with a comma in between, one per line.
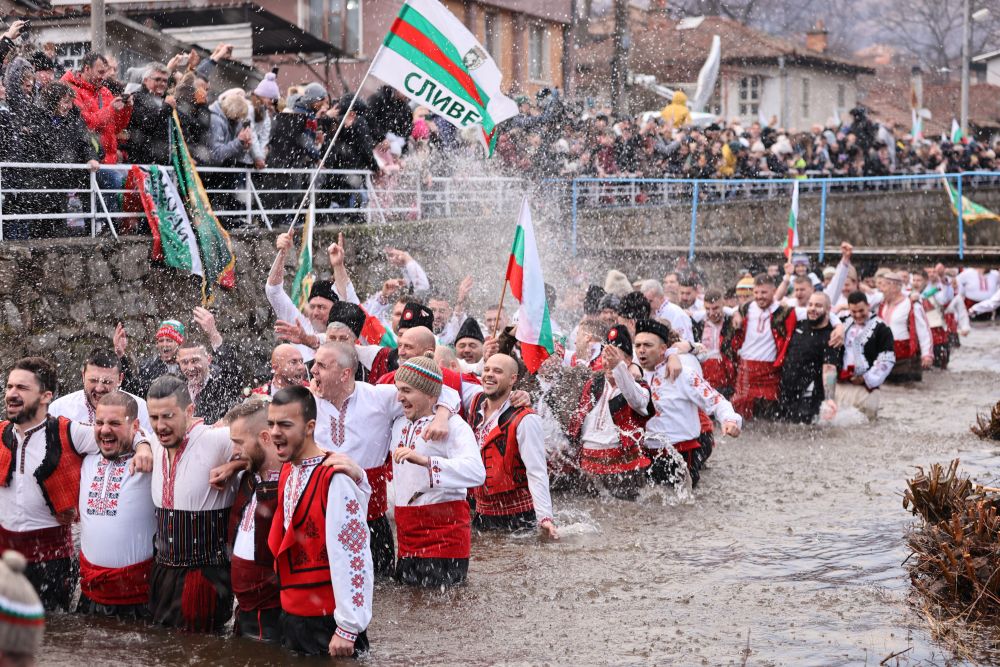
x=971, y=211
x=214, y=245
x=375, y=332
x=174, y=240
x=304, y=277
x=524, y=274
x=792, y=241
x=433, y=59
x=956, y=132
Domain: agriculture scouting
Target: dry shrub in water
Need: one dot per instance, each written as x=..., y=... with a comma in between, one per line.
x=988, y=427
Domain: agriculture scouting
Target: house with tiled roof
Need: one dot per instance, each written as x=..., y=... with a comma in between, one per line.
x=797, y=83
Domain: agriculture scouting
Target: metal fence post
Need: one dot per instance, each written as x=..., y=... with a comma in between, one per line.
x=960, y=207
x=93, y=204
x=247, y=187
x=573, y=231
x=694, y=220
x=822, y=222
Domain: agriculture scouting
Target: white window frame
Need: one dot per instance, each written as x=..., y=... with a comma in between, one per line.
x=545, y=66
x=748, y=92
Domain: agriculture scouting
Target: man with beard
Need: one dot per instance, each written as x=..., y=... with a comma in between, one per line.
x=910, y=333
x=430, y=481
x=40, y=461
x=808, y=359
x=168, y=338
x=287, y=370
x=676, y=426
x=318, y=537
x=419, y=341
x=662, y=309
x=512, y=443
x=190, y=582
x=688, y=300
x=715, y=333
x=213, y=388
x=867, y=360
x=117, y=520
x=355, y=419
x=101, y=376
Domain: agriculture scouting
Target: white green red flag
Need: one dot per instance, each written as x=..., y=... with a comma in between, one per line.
x=792, y=240
x=433, y=59
x=524, y=274
x=174, y=240
x=304, y=276
x=375, y=333
x=956, y=132
x=971, y=211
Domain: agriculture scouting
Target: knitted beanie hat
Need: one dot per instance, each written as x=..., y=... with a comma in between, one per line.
x=423, y=374
x=268, y=88
x=171, y=329
x=22, y=618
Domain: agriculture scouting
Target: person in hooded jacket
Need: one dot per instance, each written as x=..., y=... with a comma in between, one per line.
x=229, y=141
x=676, y=113
x=55, y=133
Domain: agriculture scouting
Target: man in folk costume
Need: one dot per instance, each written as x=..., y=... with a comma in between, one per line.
x=763, y=331
x=255, y=584
x=934, y=301
x=512, y=445
x=716, y=332
x=590, y=335
x=40, y=460
x=101, y=375
x=676, y=426
x=355, y=419
x=287, y=370
x=868, y=358
x=168, y=338
x=430, y=479
x=190, y=585
x=976, y=285
x=469, y=346
x=319, y=537
x=117, y=520
x=611, y=419
x=910, y=332
x=322, y=295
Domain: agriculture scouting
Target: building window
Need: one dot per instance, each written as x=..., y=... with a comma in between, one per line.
x=805, y=98
x=750, y=95
x=70, y=54
x=337, y=22
x=492, y=29
x=538, y=54
x=841, y=96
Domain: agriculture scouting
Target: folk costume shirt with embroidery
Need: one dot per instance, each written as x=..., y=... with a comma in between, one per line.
x=897, y=316
x=678, y=319
x=531, y=445
x=599, y=430
x=184, y=485
x=759, y=345
x=874, y=371
x=244, y=545
x=361, y=429
x=677, y=403
x=117, y=522
x=22, y=505
x=455, y=463
x=977, y=286
x=75, y=406
x=347, y=541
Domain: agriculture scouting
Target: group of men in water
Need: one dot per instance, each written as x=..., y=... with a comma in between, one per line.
x=202, y=502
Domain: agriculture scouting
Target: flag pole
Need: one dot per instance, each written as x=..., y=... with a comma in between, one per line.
x=326, y=154
x=496, y=322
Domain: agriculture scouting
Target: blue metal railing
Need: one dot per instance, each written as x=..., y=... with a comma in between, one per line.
x=634, y=193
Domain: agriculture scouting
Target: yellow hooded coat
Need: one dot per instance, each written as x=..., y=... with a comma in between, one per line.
x=677, y=112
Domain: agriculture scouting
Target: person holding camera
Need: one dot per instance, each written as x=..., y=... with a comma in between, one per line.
x=149, y=128
x=229, y=141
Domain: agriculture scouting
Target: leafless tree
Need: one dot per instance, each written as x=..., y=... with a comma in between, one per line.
x=931, y=30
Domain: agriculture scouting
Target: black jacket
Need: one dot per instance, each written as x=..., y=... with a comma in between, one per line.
x=149, y=130
x=223, y=389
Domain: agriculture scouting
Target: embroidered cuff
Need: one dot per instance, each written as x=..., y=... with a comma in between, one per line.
x=434, y=470
x=344, y=634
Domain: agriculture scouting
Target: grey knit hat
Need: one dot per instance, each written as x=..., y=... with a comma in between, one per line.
x=313, y=93
x=423, y=374
x=22, y=617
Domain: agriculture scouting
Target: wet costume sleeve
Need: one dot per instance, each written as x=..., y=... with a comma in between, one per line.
x=463, y=468
x=349, y=550
x=836, y=285
x=415, y=276
x=451, y=328
x=531, y=444
x=284, y=309
x=987, y=305
x=923, y=331
x=636, y=395
x=884, y=360
x=706, y=398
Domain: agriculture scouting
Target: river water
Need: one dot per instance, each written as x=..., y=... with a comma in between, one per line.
x=792, y=545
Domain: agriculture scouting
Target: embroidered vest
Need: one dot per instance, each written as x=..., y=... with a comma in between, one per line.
x=58, y=475
x=904, y=349
x=300, y=556
x=782, y=325
x=631, y=425
x=505, y=470
x=267, y=502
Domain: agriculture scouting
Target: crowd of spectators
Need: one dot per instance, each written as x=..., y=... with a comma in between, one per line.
x=99, y=116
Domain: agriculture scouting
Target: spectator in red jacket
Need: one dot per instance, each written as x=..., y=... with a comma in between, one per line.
x=105, y=114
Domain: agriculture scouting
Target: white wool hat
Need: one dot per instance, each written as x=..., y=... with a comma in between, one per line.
x=617, y=283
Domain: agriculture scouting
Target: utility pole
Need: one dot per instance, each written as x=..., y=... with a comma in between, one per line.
x=966, y=55
x=98, y=27
x=619, y=61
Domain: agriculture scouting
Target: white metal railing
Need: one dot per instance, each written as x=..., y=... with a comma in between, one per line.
x=71, y=199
